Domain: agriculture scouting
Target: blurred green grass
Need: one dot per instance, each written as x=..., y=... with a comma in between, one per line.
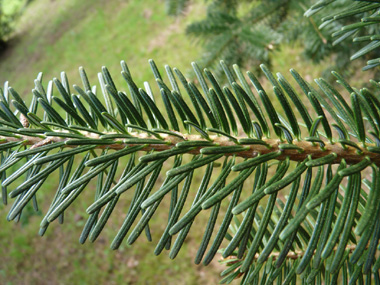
x=53, y=36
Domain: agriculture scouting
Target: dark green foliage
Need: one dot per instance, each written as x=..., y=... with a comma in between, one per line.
x=244, y=38
x=351, y=20
x=246, y=32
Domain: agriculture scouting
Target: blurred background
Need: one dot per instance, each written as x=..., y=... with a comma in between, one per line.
x=51, y=36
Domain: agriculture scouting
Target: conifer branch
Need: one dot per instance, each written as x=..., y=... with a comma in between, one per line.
x=297, y=151
x=237, y=123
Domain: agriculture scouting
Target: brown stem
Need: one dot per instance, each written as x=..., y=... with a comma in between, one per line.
x=350, y=154
x=291, y=254
x=317, y=30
